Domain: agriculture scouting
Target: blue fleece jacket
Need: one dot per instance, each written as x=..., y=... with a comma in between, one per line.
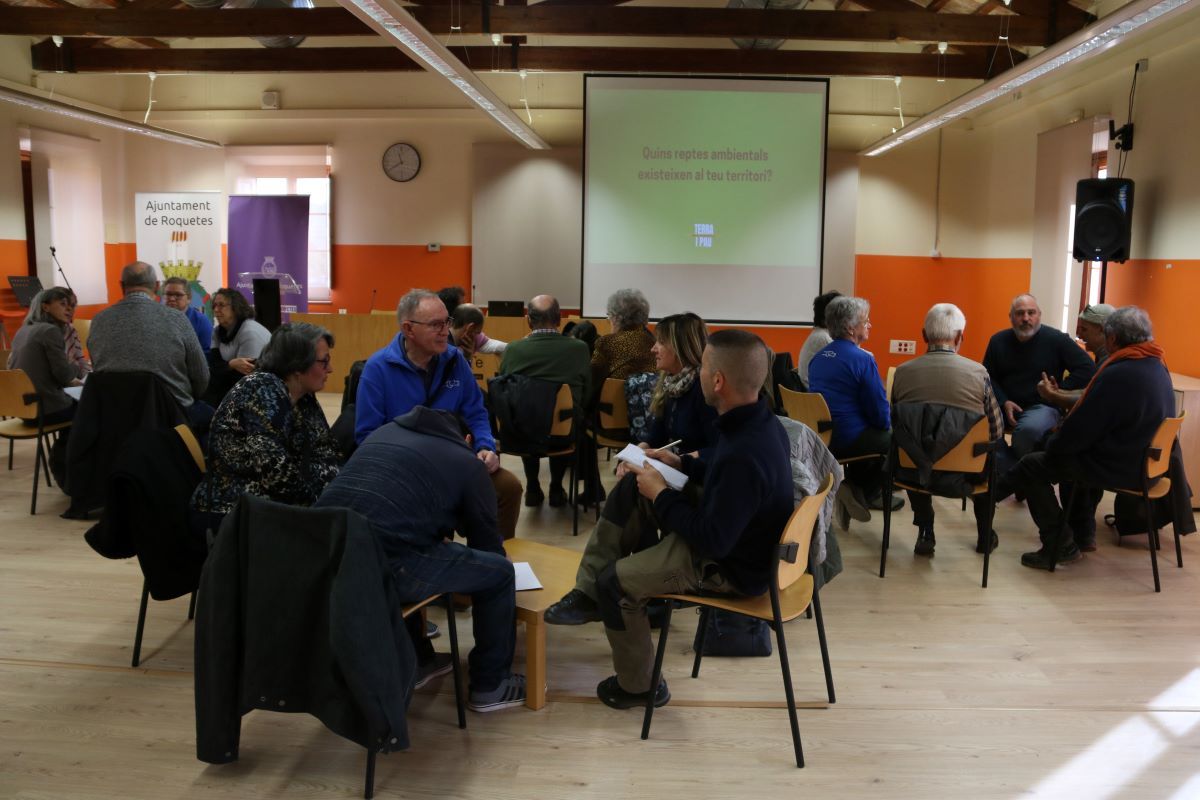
x=848, y=378
x=390, y=386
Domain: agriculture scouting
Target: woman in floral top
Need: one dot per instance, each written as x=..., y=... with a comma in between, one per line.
x=269, y=437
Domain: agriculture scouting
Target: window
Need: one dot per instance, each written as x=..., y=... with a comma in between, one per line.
x=301, y=170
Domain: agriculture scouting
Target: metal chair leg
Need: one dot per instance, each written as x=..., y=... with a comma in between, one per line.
x=787, y=672
x=656, y=676
x=369, y=784
x=141, y=624
x=574, y=494
x=46, y=460
x=10, y=453
x=37, y=468
x=887, y=515
x=705, y=613
x=816, y=604
x=192, y=607
x=452, y=632
x=1152, y=538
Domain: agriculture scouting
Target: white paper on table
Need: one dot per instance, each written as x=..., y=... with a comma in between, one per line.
x=637, y=456
x=73, y=391
x=526, y=580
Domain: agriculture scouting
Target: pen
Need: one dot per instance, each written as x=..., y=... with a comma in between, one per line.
x=669, y=446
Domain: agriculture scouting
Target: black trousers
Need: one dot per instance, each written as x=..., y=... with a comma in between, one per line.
x=922, y=508
x=869, y=474
x=1035, y=476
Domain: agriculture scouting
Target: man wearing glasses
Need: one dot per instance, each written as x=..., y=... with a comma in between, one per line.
x=178, y=295
x=421, y=368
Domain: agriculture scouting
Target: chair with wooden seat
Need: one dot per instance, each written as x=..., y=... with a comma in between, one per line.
x=973, y=455
x=791, y=594
x=611, y=429
x=83, y=327
x=1155, y=484
x=19, y=399
x=811, y=409
x=562, y=429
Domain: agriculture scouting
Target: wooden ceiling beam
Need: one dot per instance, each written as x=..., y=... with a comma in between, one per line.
x=890, y=5
x=563, y=21
x=561, y=59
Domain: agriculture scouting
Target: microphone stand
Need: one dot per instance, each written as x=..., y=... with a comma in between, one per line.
x=54, y=255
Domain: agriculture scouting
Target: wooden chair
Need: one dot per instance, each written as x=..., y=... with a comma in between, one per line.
x=612, y=416
x=19, y=399
x=973, y=455
x=83, y=327
x=811, y=409
x=562, y=427
x=484, y=367
x=789, y=596
x=1155, y=484
x=891, y=377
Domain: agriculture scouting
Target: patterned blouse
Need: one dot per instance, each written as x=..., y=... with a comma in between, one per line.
x=619, y=355
x=261, y=444
x=74, y=349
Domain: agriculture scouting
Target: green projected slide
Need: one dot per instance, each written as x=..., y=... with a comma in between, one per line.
x=703, y=176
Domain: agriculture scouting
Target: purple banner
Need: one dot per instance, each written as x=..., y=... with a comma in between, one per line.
x=268, y=238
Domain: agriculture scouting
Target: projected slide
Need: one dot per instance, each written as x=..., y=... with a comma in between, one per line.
x=698, y=191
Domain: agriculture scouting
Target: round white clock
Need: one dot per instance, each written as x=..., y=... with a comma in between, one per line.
x=401, y=162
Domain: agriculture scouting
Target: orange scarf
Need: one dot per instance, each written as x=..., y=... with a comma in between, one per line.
x=1133, y=351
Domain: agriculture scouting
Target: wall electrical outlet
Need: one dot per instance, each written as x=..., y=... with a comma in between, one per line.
x=904, y=347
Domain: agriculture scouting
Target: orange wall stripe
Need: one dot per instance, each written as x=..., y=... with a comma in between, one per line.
x=1167, y=289
x=902, y=288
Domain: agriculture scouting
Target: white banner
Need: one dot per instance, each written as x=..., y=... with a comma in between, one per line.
x=179, y=234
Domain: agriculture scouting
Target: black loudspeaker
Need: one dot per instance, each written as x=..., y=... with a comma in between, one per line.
x=1103, y=216
x=266, y=303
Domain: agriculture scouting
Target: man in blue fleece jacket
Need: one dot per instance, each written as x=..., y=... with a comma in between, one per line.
x=421, y=368
x=723, y=545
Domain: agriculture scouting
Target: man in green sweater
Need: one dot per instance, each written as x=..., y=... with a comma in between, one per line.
x=547, y=355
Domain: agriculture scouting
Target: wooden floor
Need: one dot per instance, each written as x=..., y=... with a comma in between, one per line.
x=1082, y=684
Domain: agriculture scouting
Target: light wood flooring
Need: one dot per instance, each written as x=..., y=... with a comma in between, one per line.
x=1082, y=684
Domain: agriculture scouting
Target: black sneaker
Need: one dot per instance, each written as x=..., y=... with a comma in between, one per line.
x=575, y=608
x=558, y=497
x=440, y=664
x=510, y=692
x=431, y=630
x=980, y=543
x=534, y=496
x=925, y=541
x=612, y=695
x=1040, y=559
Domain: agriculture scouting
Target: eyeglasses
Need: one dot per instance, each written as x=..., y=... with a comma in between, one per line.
x=219, y=305
x=175, y=295
x=437, y=325
x=324, y=362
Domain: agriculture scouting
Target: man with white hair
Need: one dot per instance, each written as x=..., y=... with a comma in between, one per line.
x=1102, y=441
x=1016, y=359
x=944, y=377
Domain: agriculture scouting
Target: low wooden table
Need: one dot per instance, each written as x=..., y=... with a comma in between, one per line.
x=555, y=567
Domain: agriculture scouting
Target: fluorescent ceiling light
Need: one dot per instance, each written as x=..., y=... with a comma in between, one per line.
x=17, y=97
x=388, y=18
x=1100, y=37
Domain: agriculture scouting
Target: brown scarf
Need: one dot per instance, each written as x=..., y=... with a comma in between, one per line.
x=1133, y=351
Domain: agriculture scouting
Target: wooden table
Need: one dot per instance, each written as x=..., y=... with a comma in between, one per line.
x=555, y=567
x=1187, y=398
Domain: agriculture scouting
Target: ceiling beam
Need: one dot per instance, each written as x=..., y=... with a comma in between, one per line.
x=890, y=5
x=875, y=26
x=561, y=59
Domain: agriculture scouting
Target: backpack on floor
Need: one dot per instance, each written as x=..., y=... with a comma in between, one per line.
x=731, y=634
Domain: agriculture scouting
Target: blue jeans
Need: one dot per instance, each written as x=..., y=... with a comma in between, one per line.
x=487, y=577
x=1033, y=426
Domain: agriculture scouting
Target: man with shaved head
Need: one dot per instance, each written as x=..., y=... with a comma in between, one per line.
x=1016, y=360
x=719, y=542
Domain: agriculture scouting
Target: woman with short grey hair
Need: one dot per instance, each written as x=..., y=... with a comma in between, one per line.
x=848, y=378
x=269, y=437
